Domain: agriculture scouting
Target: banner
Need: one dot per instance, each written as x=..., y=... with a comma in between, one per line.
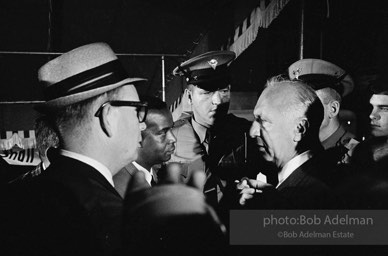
x=246, y=33
x=17, y=156
x=19, y=148
x=20, y=139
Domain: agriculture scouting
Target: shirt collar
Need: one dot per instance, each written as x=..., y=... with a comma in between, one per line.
x=200, y=130
x=89, y=161
x=292, y=165
x=332, y=139
x=148, y=174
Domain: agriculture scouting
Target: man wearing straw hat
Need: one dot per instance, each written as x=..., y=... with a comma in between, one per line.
x=93, y=105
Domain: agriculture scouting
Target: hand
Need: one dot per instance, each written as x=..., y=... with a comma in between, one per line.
x=249, y=187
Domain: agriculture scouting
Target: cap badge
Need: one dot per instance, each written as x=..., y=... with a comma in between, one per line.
x=296, y=73
x=213, y=63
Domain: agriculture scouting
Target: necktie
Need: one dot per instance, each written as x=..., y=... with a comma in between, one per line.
x=206, y=141
x=153, y=182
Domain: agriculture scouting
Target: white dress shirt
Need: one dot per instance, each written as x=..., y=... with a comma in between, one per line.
x=89, y=161
x=148, y=174
x=292, y=165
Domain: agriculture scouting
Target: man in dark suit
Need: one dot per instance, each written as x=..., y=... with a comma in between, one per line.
x=158, y=143
x=288, y=115
x=73, y=207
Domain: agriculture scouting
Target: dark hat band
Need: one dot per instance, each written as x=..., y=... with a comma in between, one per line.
x=63, y=88
x=211, y=83
x=320, y=81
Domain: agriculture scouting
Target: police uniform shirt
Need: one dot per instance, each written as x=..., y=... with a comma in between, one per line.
x=201, y=132
x=339, y=137
x=187, y=147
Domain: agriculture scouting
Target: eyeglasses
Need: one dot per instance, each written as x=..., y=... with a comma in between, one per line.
x=141, y=107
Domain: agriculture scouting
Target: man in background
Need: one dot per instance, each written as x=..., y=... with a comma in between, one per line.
x=331, y=83
x=158, y=143
x=46, y=138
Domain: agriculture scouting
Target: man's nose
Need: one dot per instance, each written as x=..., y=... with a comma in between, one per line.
x=171, y=137
x=216, y=98
x=254, y=131
x=374, y=115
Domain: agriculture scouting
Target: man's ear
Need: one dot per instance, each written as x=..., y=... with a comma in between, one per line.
x=106, y=120
x=301, y=129
x=188, y=92
x=334, y=108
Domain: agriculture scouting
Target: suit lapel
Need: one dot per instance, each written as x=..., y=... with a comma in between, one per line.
x=297, y=177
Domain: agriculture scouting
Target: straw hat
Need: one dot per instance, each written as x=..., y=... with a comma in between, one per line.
x=80, y=74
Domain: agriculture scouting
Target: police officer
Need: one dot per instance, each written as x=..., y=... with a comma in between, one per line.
x=331, y=84
x=208, y=138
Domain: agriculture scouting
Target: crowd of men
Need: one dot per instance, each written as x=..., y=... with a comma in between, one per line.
x=120, y=177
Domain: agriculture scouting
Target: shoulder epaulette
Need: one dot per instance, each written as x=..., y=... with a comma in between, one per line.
x=180, y=122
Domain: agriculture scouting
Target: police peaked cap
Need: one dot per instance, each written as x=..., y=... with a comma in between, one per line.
x=321, y=74
x=208, y=71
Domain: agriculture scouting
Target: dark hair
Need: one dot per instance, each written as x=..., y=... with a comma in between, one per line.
x=46, y=136
x=380, y=85
x=154, y=103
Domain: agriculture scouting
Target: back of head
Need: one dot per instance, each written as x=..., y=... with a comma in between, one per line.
x=174, y=219
x=46, y=137
x=154, y=103
x=328, y=95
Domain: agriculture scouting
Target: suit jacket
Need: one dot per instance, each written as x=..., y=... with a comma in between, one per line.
x=70, y=209
x=123, y=177
x=303, y=189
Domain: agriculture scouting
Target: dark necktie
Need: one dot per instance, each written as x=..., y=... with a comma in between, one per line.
x=206, y=141
x=153, y=182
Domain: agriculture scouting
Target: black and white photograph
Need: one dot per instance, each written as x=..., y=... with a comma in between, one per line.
x=193, y=127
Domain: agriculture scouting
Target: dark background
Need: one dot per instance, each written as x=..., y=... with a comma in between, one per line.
x=351, y=34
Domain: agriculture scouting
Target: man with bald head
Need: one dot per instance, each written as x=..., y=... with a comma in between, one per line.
x=288, y=115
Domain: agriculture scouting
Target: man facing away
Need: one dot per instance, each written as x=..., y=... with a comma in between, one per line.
x=73, y=208
x=288, y=115
x=158, y=143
